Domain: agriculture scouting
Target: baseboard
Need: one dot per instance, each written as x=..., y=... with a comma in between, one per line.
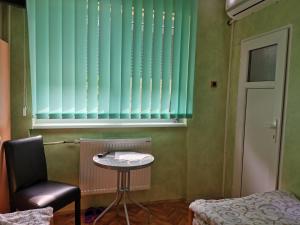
x=69, y=211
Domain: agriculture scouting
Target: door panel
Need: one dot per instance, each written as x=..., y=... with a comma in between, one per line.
x=259, y=161
x=260, y=112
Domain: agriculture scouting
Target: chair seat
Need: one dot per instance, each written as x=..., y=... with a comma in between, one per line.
x=48, y=193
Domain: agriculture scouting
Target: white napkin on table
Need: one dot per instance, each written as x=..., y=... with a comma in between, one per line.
x=130, y=156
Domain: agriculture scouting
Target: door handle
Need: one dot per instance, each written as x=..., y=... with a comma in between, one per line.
x=273, y=125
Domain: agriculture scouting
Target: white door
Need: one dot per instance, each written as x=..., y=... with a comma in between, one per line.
x=260, y=111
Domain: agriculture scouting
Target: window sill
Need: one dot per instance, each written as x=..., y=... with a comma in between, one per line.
x=66, y=124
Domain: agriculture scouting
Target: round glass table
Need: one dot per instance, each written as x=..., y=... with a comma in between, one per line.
x=123, y=162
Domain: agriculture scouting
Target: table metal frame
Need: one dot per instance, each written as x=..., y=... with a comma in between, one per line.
x=123, y=192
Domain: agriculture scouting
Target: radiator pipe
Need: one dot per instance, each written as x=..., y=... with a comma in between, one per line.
x=63, y=142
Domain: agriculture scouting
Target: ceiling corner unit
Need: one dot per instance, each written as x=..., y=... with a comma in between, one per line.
x=238, y=9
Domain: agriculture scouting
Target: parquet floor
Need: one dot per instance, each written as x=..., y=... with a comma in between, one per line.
x=163, y=213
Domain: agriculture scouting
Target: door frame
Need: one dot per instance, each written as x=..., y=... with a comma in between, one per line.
x=5, y=128
x=241, y=106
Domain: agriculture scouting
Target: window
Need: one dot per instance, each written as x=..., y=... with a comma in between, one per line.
x=262, y=64
x=112, y=59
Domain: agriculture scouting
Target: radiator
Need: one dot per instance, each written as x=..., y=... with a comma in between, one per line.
x=95, y=180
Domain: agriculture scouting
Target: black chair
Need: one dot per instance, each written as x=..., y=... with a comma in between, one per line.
x=29, y=187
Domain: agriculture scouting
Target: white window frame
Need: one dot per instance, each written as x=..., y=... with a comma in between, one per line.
x=106, y=123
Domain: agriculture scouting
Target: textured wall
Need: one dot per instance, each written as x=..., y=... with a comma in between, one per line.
x=169, y=144
x=283, y=13
x=4, y=121
x=205, y=136
x=3, y=22
x=4, y=107
x=189, y=161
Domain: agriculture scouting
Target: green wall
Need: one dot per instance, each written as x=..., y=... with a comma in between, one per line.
x=285, y=12
x=205, y=136
x=189, y=161
x=169, y=144
x=3, y=22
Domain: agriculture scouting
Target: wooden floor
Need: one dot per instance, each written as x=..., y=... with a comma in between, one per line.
x=164, y=213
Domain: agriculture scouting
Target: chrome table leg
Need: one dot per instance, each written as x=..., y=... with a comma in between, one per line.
x=125, y=209
x=123, y=190
x=135, y=202
x=108, y=208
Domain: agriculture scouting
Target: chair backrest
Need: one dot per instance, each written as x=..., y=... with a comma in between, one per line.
x=26, y=162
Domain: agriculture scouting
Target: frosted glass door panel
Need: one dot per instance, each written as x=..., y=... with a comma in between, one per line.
x=262, y=64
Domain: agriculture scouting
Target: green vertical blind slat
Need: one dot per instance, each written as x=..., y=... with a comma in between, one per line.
x=157, y=59
x=104, y=58
x=42, y=57
x=31, y=15
x=137, y=59
x=167, y=59
x=192, y=57
x=68, y=59
x=80, y=60
x=178, y=5
x=116, y=53
x=127, y=41
x=182, y=102
x=112, y=58
x=55, y=59
x=92, y=60
x=147, y=58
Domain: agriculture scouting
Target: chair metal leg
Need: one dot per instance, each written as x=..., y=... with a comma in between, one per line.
x=12, y=206
x=13, y=209
x=77, y=212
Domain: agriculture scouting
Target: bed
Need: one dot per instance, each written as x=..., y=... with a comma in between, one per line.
x=276, y=208
x=42, y=216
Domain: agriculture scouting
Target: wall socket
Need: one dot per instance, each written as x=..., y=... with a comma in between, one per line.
x=213, y=84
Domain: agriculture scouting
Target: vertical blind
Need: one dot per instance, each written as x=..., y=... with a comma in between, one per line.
x=127, y=59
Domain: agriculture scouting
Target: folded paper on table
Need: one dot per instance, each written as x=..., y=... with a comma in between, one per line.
x=130, y=156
